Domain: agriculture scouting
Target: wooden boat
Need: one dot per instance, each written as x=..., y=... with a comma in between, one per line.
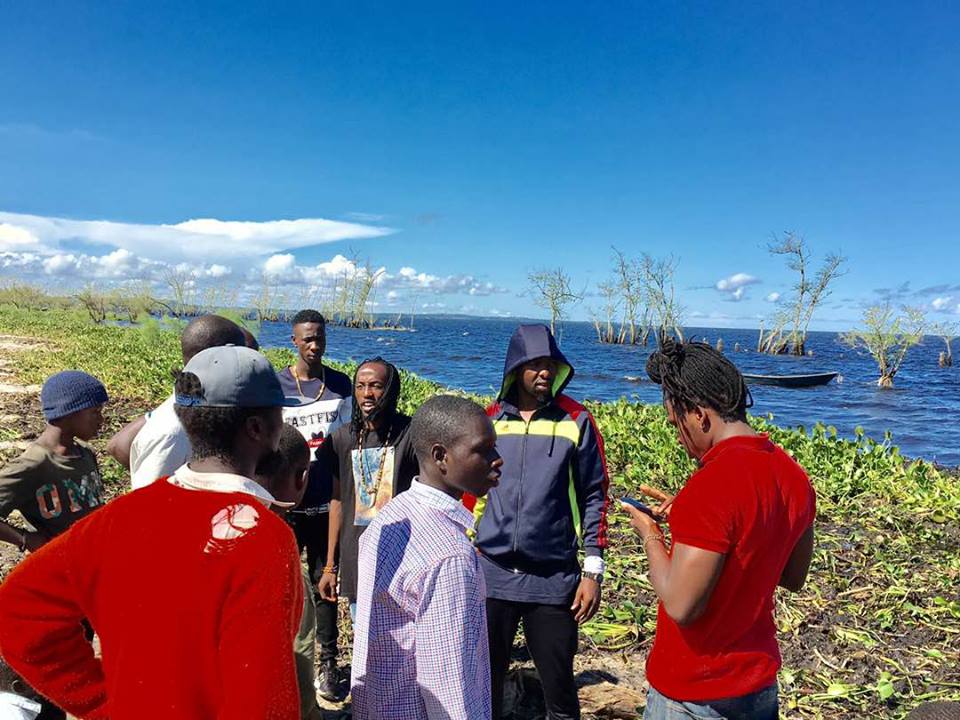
x=791, y=381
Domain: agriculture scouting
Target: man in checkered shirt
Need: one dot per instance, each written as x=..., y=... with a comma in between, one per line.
x=420, y=638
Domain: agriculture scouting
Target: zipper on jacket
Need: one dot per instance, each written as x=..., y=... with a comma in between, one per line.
x=523, y=459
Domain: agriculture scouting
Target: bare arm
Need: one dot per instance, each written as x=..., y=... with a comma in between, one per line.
x=31, y=541
x=119, y=446
x=685, y=582
x=798, y=564
x=327, y=584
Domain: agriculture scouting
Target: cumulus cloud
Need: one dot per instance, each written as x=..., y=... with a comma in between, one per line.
x=772, y=297
x=283, y=267
x=203, y=239
x=941, y=303
x=280, y=266
x=64, y=254
x=14, y=237
x=735, y=286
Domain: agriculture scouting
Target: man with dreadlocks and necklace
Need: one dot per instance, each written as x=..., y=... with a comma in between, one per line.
x=371, y=459
x=741, y=525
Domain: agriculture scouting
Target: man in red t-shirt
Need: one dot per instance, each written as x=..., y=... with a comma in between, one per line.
x=741, y=525
x=192, y=584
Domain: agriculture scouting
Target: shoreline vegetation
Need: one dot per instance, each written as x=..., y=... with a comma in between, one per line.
x=875, y=631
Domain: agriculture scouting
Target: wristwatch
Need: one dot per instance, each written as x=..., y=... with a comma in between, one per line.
x=596, y=577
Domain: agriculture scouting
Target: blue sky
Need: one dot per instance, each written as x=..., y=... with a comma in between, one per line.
x=460, y=145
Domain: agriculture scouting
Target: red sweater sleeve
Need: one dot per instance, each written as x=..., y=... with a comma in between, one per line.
x=40, y=632
x=256, y=636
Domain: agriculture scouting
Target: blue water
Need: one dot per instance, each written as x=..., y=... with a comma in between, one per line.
x=922, y=411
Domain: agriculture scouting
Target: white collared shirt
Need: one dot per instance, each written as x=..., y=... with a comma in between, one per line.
x=441, y=501
x=189, y=479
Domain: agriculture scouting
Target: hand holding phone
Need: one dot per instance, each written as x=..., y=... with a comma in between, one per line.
x=633, y=502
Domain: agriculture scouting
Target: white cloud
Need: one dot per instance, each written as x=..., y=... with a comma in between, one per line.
x=406, y=280
x=63, y=253
x=282, y=267
x=735, y=285
x=772, y=297
x=14, y=237
x=940, y=303
x=219, y=271
x=197, y=240
x=735, y=282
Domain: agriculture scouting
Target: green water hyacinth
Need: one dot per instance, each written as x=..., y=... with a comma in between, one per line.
x=875, y=631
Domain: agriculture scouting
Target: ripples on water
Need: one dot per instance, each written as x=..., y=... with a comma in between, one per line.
x=921, y=411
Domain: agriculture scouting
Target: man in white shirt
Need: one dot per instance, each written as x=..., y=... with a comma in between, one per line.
x=156, y=445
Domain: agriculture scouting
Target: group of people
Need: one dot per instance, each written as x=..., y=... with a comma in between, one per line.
x=443, y=532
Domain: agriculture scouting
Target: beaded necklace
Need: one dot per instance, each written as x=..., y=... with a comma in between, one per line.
x=373, y=489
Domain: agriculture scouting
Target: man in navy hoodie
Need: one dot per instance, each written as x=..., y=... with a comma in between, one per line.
x=551, y=499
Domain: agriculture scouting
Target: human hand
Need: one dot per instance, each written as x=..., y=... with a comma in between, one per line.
x=327, y=586
x=665, y=500
x=587, y=600
x=643, y=524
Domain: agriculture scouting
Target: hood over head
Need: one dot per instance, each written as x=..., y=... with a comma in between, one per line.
x=530, y=342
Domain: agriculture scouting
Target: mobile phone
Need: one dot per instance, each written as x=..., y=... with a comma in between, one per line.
x=632, y=502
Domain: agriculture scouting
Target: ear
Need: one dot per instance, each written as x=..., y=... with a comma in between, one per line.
x=256, y=427
x=438, y=453
x=703, y=419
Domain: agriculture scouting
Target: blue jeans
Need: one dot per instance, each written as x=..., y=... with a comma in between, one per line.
x=761, y=705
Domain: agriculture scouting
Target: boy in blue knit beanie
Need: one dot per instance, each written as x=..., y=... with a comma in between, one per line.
x=56, y=481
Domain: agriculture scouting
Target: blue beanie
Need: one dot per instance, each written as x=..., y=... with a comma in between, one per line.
x=70, y=391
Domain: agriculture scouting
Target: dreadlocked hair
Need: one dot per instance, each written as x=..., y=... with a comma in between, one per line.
x=212, y=430
x=386, y=408
x=695, y=375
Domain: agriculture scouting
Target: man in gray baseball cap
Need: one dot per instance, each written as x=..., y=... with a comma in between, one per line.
x=192, y=584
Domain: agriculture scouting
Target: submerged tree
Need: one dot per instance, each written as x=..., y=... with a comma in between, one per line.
x=809, y=292
x=665, y=312
x=624, y=293
x=604, y=327
x=553, y=292
x=181, y=281
x=887, y=336
x=629, y=281
x=95, y=302
x=946, y=331
x=364, y=283
x=130, y=301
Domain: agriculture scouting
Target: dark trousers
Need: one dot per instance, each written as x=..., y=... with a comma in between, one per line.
x=551, y=634
x=311, y=533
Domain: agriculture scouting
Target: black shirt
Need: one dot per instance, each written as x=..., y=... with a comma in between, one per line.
x=363, y=484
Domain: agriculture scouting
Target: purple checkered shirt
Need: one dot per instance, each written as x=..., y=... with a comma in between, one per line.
x=420, y=638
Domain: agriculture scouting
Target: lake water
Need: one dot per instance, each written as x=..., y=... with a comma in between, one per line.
x=922, y=411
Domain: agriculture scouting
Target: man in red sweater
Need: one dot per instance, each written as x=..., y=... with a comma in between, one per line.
x=192, y=584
